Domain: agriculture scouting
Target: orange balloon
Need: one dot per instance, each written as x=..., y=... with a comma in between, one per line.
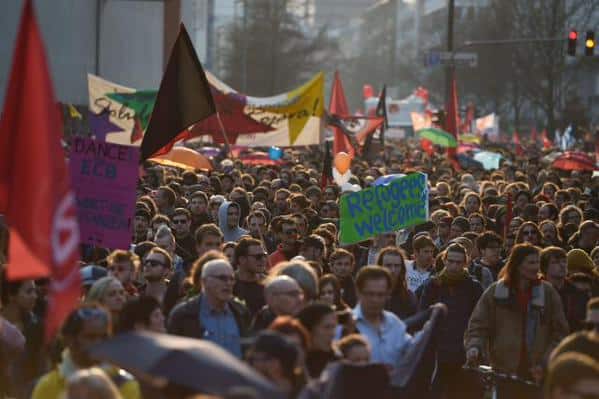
x=342, y=162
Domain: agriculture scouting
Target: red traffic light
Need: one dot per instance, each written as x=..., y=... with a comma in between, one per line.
x=573, y=35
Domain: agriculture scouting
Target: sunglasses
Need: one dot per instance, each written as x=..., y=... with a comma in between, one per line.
x=179, y=221
x=257, y=256
x=529, y=232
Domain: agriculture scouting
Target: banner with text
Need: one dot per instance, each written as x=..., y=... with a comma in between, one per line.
x=104, y=177
x=294, y=117
x=401, y=203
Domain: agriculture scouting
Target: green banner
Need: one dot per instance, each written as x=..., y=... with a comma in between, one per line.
x=396, y=205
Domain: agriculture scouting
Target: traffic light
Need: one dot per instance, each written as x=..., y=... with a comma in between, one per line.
x=572, y=39
x=589, y=43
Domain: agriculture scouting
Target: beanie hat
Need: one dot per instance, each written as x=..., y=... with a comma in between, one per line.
x=579, y=261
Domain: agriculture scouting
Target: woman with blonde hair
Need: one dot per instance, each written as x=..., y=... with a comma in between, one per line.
x=109, y=292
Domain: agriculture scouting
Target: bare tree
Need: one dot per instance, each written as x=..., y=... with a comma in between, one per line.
x=541, y=68
x=273, y=50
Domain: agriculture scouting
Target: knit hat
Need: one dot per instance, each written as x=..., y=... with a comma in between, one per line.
x=579, y=262
x=91, y=273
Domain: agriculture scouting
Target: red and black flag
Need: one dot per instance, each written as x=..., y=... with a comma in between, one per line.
x=381, y=112
x=327, y=166
x=183, y=99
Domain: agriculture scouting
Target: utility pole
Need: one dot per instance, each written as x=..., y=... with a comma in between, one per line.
x=244, y=55
x=172, y=19
x=449, y=69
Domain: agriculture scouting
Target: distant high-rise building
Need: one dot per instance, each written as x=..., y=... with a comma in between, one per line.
x=335, y=13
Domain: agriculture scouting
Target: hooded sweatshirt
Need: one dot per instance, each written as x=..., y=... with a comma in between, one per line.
x=230, y=234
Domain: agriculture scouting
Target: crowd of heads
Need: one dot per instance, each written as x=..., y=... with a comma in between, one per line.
x=266, y=239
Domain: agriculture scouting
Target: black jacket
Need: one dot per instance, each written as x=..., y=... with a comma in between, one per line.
x=184, y=320
x=460, y=299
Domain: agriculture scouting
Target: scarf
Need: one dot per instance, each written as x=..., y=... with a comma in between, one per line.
x=452, y=278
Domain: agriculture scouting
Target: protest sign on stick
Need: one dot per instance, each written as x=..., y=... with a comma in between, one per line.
x=104, y=177
x=400, y=203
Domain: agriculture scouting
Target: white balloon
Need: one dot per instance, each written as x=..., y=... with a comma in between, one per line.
x=339, y=178
x=350, y=187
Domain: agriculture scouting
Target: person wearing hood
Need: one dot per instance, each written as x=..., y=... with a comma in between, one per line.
x=228, y=221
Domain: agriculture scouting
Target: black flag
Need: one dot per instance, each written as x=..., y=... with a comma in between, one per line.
x=183, y=99
x=381, y=111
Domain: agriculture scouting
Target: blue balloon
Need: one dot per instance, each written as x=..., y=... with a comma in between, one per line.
x=275, y=153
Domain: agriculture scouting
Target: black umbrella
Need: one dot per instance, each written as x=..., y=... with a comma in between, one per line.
x=196, y=364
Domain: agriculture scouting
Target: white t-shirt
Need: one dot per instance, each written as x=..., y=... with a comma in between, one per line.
x=414, y=276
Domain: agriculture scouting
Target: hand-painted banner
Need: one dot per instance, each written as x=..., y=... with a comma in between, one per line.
x=122, y=116
x=401, y=203
x=104, y=176
x=293, y=117
x=289, y=119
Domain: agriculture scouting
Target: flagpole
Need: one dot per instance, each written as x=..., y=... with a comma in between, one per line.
x=222, y=130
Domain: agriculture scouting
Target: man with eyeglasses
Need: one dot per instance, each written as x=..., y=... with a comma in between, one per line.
x=215, y=314
x=288, y=235
x=85, y=326
x=185, y=242
x=156, y=266
x=284, y=297
x=251, y=259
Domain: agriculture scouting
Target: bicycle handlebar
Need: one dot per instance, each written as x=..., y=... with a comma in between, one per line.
x=488, y=372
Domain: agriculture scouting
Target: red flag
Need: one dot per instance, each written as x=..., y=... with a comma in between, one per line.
x=34, y=182
x=427, y=146
x=184, y=135
x=546, y=142
x=516, y=139
x=338, y=107
x=422, y=93
x=467, y=124
x=452, y=121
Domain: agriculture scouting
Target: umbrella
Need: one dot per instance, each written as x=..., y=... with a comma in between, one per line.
x=259, y=158
x=489, y=160
x=189, y=157
x=467, y=147
x=467, y=162
x=438, y=137
x=574, y=161
x=192, y=363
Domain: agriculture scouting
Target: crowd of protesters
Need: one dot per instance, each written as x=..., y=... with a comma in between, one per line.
x=248, y=251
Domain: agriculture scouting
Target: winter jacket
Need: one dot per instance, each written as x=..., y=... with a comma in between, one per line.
x=574, y=302
x=230, y=234
x=460, y=298
x=496, y=324
x=481, y=273
x=184, y=320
